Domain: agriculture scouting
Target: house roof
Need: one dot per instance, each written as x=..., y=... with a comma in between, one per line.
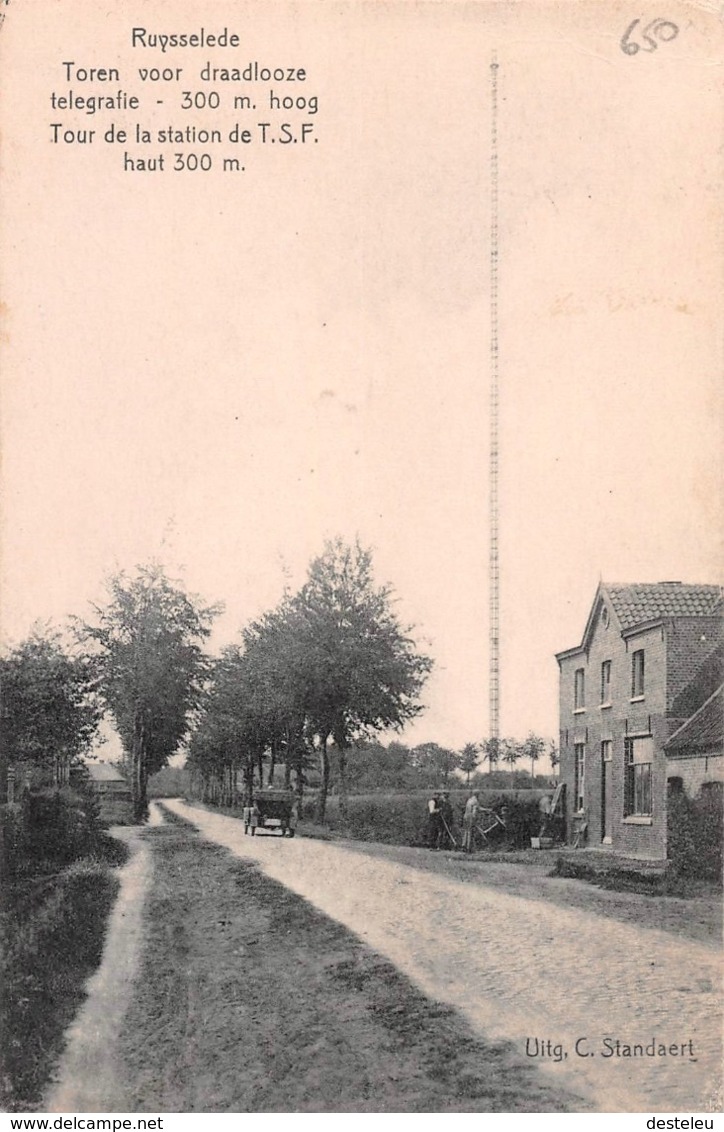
x=707, y=679
x=703, y=732
x=104, y=772
x=638, y=603
x=647, y=603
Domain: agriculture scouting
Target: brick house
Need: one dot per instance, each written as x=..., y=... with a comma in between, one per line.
x=632, y=683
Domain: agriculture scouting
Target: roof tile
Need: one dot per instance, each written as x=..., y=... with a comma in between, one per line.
x=637, y=603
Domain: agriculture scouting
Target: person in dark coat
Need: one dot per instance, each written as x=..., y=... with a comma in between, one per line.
x=445, y=839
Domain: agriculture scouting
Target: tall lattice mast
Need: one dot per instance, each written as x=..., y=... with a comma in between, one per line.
x=494, y=593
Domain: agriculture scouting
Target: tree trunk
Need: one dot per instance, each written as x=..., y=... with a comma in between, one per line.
x=343, y=806
x=144, y=787
x=248, y=781
x=324, y=787
x=136, y=765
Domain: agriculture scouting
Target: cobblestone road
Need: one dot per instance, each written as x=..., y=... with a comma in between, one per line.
x=523, y=969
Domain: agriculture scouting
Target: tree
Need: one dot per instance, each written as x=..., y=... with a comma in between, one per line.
x=491, y=750
x=510, y=751
x=436, y=763
x=150, y=666
x=277, y=680
x=227, y=734
x=533, y=748
x=50, y=711
x=361, y=671
x=372, y=766
x=469, y=760
x=554, y=754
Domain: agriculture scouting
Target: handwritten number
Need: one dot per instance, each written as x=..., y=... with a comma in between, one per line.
x=671, y=32
x=655, y=32
x=628, y=46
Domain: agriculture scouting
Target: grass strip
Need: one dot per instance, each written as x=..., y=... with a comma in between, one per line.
x=53, y=929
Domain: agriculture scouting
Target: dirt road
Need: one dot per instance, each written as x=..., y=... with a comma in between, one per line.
x=575, y=991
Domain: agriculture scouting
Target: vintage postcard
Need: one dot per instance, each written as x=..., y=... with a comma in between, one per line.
x=362, y=629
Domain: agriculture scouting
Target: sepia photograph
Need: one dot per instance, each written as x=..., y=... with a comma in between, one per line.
x=361, y=574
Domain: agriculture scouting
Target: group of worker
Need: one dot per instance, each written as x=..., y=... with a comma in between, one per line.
x=440, y=821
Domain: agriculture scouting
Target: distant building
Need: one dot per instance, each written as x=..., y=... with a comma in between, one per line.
x=113, y=793
x=638, y=705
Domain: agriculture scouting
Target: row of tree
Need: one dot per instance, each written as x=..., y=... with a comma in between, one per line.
x=330, y=664
x=373, y=766
x=309, y=680
x=140, y=658
x=508, y=751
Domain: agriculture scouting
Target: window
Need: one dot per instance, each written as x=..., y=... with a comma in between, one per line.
x=637, y=674
x=606, y=750
x=606, y=682
x=580, y=767
x=639, y=755
x=579, y=690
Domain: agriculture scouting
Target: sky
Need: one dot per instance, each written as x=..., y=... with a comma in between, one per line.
x=221, y=370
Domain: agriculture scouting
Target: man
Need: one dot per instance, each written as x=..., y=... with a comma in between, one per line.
x=470, y=818
x=433, y=822
x=445, y=838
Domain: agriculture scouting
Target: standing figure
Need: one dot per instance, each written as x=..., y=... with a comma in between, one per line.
x=433, y=822
x=445, y=838
x=253, y=818
x=470, y=818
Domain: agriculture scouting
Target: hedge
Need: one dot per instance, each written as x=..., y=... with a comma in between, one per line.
x=694, y=834
x=58, y=890
x=401, y=819
x=46, y=962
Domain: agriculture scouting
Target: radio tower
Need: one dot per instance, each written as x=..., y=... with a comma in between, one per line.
x=494, y=593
